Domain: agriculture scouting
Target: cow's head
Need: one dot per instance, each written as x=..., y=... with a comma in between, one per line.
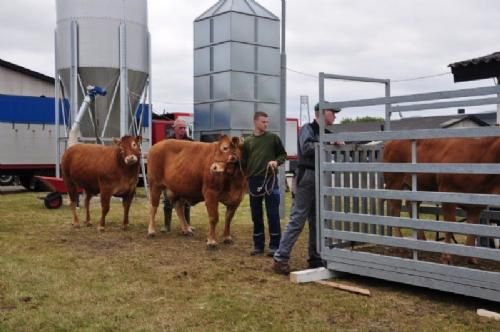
x=130, y=148
x=228, y=151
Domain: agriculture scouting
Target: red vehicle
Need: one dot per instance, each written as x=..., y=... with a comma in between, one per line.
x=162, y=125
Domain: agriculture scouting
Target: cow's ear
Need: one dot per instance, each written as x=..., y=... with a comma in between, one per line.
x=138, y=139
x=116, y=140
x=222, y=136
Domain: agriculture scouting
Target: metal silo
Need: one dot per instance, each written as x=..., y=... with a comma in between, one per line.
x=236, y=68
x=106, y=44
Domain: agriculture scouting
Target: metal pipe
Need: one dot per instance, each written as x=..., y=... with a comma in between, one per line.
x=123, y=82
x=56, y=110
x=283, y=103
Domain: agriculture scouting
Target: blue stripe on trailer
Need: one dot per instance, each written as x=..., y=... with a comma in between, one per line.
x=40, y=110
x=24, y=109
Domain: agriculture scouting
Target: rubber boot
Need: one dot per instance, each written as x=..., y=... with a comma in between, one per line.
x=167, y=213
x=187, y=214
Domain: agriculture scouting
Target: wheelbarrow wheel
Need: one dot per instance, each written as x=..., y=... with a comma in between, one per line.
x=53, y=200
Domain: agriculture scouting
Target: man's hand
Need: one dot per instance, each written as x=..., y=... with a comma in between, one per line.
x=273, y=164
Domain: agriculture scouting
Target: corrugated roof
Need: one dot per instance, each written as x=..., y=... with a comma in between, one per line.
x=493, y=57
x=248, y=7
x=26, y=71
x=487, y=66
x=425, y=122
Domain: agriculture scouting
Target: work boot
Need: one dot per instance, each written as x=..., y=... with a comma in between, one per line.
x=315, y=264
x=281, y=267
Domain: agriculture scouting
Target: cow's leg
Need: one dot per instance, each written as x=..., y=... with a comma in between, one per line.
x=180, y=210
x=473, y=214
x=213, y=218
x=105, y=201
x=448, y=215
x=73, y=197
x=394, y=210
x=126, y=202
x=88, y=196
x=230, y=211
x=409, y=208
x=154, y=196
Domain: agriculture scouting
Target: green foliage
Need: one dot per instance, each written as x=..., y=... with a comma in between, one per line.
x=362, y=119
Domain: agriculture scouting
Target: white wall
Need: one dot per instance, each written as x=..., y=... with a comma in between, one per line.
x=19, y=84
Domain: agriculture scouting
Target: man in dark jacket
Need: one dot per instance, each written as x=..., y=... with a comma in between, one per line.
x=304, y=204
x=180, y=132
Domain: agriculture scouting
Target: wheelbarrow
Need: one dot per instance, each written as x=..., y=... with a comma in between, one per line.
x=54, y=199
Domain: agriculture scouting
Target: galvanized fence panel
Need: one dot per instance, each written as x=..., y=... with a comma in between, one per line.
x=354, y=232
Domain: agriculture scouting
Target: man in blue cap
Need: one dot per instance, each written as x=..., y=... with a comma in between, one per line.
x=304, y=204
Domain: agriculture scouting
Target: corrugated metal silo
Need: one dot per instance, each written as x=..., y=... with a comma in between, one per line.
x=236, y=68
x=106, y=44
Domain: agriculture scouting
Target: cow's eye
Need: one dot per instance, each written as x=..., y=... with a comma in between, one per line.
x=134, y=145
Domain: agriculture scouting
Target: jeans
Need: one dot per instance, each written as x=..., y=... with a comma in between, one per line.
x=303, y=208
x=272, y=202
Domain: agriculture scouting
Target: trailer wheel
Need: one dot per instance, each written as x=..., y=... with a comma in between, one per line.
x=53, y=200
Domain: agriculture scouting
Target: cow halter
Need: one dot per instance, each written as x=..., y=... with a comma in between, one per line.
x=264, y=188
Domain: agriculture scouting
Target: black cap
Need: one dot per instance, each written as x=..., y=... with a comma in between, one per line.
x=336, y=110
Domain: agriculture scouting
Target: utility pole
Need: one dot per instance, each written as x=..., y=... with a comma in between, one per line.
x=283, y=104
x=304, y=110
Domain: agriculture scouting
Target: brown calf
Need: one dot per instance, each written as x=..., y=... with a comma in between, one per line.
x=191, y=172
x=108, y=170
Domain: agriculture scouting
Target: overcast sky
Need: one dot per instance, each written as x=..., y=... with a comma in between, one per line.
x=396, y=39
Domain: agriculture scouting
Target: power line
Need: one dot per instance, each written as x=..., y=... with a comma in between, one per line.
x=421, y=77
x=169, y=102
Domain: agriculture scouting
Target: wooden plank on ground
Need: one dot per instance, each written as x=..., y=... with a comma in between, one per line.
x=347, y=288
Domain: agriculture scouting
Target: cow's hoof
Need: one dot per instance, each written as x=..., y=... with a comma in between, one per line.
x=228, y=241
x=188, y=232
x=151, y=235
x=125, y=227
x=76, y=225
x=100, y=229
x=211, y=246
x=88, y=224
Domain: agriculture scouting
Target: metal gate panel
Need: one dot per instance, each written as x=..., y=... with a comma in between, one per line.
x=351, y=200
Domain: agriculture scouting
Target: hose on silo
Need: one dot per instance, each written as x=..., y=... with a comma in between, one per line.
x=75, y=133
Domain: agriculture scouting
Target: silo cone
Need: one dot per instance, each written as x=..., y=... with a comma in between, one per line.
x=106, y=44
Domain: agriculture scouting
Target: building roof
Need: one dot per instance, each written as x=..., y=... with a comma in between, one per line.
x=248, y=7
x=26, y=71
x=424, y=122
x=487, y=66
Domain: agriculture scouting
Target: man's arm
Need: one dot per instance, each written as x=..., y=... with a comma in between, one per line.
x=307, y=140
x=280, y=151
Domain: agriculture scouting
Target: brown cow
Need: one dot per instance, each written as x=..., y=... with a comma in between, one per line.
x=193, y=172
x=455, y=150
x=108, y=170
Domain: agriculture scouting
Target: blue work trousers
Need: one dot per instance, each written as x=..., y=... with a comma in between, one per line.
x=269, y=193
x=303, y=209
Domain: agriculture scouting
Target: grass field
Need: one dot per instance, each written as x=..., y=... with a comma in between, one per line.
x=56, y=278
